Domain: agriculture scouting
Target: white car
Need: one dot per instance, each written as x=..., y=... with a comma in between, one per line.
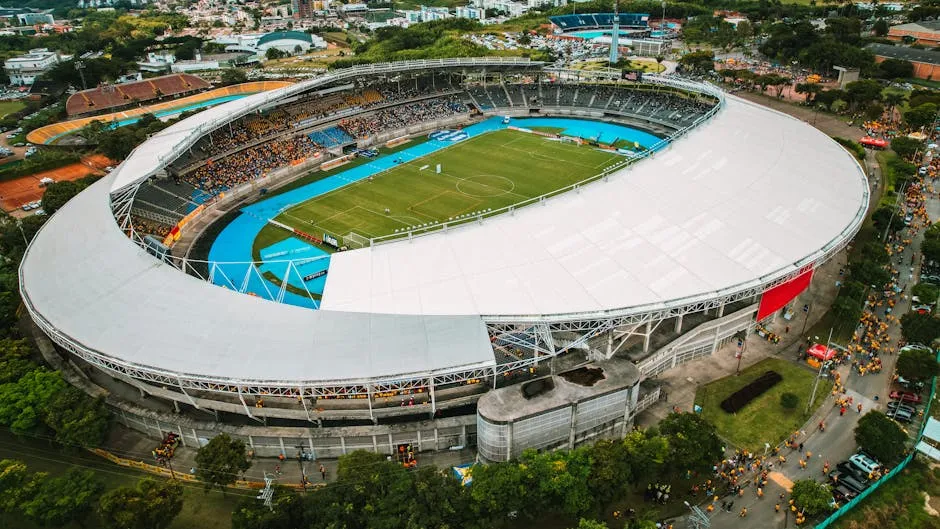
x=864, y=463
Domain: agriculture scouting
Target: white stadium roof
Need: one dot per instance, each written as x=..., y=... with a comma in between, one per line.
x=749, y=194
x=748, y=197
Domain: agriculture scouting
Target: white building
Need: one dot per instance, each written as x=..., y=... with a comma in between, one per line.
x=157, y=62
x=426, y=14
x=31, y=19
x=473, y=13
x=23, y=70
x=513, y=9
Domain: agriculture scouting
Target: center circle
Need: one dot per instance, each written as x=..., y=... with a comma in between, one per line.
x=486, y=185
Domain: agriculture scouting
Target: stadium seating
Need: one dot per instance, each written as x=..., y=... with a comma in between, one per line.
x=600, y=20
x=481, y=97
x=113, y=96
x=516, y=96
x=498, y=96
x=331, y=137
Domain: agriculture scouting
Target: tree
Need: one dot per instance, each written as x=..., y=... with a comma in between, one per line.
x=869, y=273
x=918, y=328
x=273, y=53
x=893, y=99
x=610, y=470
x=150, y=505
x=220, y=461
x=78, y=420
x=584, y=523
x=920, y=116
x=809, y=89
x=233, y=76
x=881, y=437
x=926, y=292
x=895, y=69
x=698, y=61
x=693, y=442
x=885, y=214
x=906, y=147
x=13, y=480
x=58, y=193
x=286, y=512
x=863, y=93
x=811, y=496
x=60, y=500
x=880, y=28
x=22, y=402
x=789, y=400
x=918, y=365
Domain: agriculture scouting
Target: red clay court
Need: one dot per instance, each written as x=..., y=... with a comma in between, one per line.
x=15, y=193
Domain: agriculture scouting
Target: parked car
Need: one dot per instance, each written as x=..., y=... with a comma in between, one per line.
x=847, y=481
x=898, y=405
x=848, y=468
x=900, y=415
x=843, y=494
x=908, y=396
x=864, y=463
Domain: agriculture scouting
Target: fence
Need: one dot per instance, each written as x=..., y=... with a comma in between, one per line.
x=884, y=479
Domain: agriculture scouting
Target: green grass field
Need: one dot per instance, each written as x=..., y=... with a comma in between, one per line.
x=763, y=420
x=489, y=171
x=9, y=107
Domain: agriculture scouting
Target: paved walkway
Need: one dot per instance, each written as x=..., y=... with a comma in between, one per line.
x=130, y=444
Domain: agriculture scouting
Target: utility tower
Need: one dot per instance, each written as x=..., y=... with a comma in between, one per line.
x=615, y=36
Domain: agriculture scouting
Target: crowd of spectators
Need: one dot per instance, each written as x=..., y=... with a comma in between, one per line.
x=248, y=129
x=403, y=116
x=254, y=162
x=150, y=227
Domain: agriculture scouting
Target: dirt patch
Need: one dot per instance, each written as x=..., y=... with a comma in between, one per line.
x=16, y=193
x=537, y=387
x=584, y=376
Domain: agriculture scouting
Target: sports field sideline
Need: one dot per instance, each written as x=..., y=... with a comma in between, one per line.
x=489, y=171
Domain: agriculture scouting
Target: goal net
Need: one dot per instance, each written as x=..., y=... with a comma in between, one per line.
x=354, y=240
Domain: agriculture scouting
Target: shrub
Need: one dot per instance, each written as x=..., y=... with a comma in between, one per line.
x=789, y=400
x=743, y=396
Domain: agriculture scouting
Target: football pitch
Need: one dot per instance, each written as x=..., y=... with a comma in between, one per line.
x=486, y=172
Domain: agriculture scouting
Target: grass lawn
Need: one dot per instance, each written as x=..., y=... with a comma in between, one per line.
x=270, y=235
x=924, y=82
x=9, y=107
x=200, y=509
x=763, y=420
x=489, y=171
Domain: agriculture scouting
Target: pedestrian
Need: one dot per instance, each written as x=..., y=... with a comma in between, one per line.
x=801, y=448
x=859, y=407
x=743, y=512
x=277, y=469
x=787, y=329
x=777, y=507
x=323, y=471
x=841, y=411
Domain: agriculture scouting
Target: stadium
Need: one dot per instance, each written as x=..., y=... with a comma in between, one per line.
x=375, y=250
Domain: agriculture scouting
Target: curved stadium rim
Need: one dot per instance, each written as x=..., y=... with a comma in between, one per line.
x=454, y=373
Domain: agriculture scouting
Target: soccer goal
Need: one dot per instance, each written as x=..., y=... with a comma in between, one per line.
x=354, y=240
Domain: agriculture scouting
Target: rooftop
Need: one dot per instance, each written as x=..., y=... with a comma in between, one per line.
x=285, y=35
x=905, y=54
x=511, y=404
x=929, y=26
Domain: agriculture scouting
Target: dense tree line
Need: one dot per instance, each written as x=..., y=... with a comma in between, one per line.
x=76, y=497
x=371, y=491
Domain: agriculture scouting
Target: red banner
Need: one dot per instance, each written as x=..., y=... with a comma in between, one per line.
x=777, y=297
